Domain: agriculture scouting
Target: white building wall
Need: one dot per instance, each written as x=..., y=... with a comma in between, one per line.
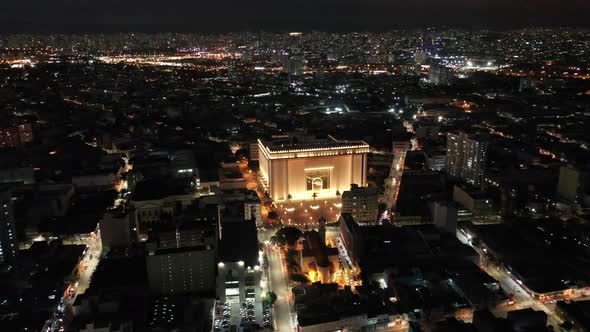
x=287, y=176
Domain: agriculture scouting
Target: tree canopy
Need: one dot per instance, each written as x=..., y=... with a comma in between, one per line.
x=287, y=236
x=271, y=297
x=299, y=278
x=272, y=215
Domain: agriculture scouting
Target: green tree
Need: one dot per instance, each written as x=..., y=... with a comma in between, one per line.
x=271, y=297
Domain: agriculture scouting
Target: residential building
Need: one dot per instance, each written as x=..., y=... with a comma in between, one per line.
x=440, y=74
x=466, y=158
x=8, y=239
x=572, y=184
x=362, y=203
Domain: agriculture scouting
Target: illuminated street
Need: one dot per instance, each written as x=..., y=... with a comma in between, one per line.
x=392, y=184
x=90, y=262
x=522, y=299
x=278, y=284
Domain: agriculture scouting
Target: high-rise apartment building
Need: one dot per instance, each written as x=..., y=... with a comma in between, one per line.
x=466, y=158
x=295, y=58
x=440, y=75
x=8, y=240
x=573, y=183
x=362, y=203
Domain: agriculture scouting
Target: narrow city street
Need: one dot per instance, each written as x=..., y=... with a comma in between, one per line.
x=522, y=298
x=91, y=262
x=278, y=284
x=78, y=286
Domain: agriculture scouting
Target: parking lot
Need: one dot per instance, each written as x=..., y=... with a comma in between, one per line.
x=241, y=314
x=222, y=316
x=266, y=315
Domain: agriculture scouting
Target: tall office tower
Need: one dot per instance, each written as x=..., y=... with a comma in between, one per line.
x=295, y=63
x=8, y=241
x=466, y=158
x=440, y=75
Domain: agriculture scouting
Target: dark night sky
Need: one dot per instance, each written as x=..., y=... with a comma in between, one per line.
x=226, y=15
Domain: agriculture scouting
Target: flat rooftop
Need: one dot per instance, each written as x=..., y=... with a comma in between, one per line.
x=239, y=242
x=292, y=144
x=158, y=188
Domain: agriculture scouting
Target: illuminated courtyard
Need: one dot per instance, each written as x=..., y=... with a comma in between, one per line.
x=305, y=213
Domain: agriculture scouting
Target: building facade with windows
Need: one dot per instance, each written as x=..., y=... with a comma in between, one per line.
x=466, y=158
x=182, y=270
x=362, y=203
x=298, y=170
x=8, y=240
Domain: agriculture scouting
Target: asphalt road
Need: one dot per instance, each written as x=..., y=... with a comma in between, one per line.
x=522, y=298
x=278, y=284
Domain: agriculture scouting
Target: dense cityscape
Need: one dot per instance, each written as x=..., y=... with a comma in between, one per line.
x=433, y=179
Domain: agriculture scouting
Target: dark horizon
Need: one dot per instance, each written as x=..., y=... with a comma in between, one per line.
x=188, y=29
x=327, y=15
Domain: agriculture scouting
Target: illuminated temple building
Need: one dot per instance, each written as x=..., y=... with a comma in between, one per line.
x=296, y=168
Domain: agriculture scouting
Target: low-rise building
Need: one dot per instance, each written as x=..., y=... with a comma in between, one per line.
x=478, y=203
x=323, y=307
x=575, y=314
x=102, y=180
x=159, y=199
